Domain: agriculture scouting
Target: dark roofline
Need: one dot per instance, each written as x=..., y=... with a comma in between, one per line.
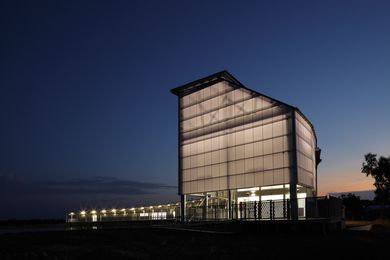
x=224, y=75
x=202, y=83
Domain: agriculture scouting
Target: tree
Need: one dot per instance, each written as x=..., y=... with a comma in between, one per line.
x=380, y=171
x=353, y=206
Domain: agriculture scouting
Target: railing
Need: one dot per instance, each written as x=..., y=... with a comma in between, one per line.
x=308, y=208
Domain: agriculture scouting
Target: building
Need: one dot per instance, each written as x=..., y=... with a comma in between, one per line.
x=238, y=146
x=242, y=156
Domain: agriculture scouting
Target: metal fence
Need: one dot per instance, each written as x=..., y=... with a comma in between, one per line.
x=308, y=208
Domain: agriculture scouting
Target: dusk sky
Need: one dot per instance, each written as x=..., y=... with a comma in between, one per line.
x=88, y=120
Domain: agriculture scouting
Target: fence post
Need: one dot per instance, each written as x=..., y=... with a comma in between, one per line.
x=270, y=209
x=306, y=209
x=255, y=210
x=260, y=208
x=288, y=209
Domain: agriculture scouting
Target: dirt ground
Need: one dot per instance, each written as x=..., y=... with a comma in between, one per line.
x=158, y=242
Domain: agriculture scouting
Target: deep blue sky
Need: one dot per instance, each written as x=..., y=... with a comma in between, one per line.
x=87, y=118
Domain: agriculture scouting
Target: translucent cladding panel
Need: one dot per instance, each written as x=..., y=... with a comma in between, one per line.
x=231, y=168
x=240, y=180
x=200, y=173
x=249, y=142
x=258, y=164
x=259, y=179
x=249, y=165
x=186, y=187
x=249, y=180
x=248, y=135
x=277, y=128
x=207, y=172
x=248, y=150
x=223, y=155
x=215, y=170
x=201, y=186
x=186, y=163
x=240, y=166
x=223, y=183
x=232, y=184
x=305, y=152
x=278, y=176
x=186, y=150
x=278, y=160
x=258, y=133
x=269, y=177
x=186, y=175
x=267, y=131
x=194, y=186
x=223, y=169
x=258, y=148
x=268, y=162
x=240, y=152
x=206, y=93
x=239, y=137
x=186, y=113
x=268, y=146
x=215, y=182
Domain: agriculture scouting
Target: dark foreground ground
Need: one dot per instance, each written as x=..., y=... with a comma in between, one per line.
x=149, y=242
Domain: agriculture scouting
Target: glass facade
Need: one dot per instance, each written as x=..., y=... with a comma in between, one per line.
x=233, y=138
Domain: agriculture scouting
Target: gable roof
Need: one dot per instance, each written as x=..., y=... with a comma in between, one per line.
x=224, y=75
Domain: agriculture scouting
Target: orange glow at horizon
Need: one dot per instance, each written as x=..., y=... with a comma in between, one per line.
x=348, y=182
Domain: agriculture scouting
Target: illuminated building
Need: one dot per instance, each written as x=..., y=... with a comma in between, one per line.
x=242, y=155
x=237, y=145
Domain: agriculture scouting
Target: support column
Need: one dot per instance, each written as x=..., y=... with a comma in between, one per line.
x=183, y=202
x=205, y=206
x=229, y=204
x=294, y=170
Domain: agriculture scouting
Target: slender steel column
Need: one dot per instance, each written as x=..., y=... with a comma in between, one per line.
x=230, y=204
x=183, y=213
x=294, y=170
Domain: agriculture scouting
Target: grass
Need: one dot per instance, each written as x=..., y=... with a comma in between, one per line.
x=153, y=242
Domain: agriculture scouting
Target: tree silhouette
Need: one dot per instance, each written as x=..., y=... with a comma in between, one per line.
x=380, y=171
x=353, y=206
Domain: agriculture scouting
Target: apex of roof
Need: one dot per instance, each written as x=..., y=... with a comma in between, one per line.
x=205, y=82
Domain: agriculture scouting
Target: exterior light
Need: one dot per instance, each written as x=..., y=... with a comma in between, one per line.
x=71, y=214
x=151, y=207
x=83, y=212
x=248, y=189
x=113, y=211
x=103, y=211
x=159, y=206
x=141, y=207
x=93, y=212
